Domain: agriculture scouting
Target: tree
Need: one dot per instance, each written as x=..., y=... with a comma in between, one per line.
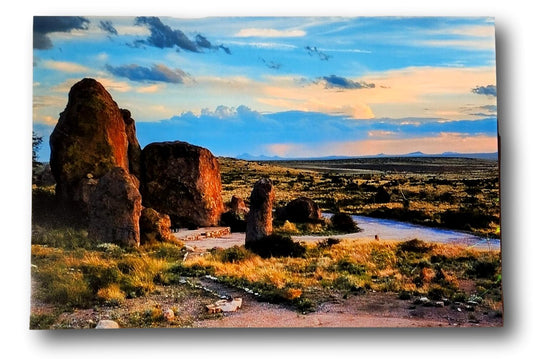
x=36, y=143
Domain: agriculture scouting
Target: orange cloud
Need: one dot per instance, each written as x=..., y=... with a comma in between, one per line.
x=444, y=142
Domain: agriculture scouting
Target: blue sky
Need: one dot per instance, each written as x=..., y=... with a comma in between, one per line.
x=281, y=86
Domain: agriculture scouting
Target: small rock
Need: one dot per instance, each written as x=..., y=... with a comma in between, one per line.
x=107, y=324
x=169, y=315
x=439, y=304
x=470, y=308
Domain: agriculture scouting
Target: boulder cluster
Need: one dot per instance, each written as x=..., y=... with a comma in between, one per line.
x=128, y=195
x=131, y=196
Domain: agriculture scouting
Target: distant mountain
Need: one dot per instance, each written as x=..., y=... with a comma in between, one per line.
x=485, y=156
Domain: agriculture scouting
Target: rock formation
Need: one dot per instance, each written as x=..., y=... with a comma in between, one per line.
x=259, y=219
x=90, y=138
x=134, y=149
x=238, y=206
x=154, y=226
x=301, y=210
x=235, y=218
x=115, y=209
x=183, y=181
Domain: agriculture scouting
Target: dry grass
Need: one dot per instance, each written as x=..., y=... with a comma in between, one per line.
x=352, y=266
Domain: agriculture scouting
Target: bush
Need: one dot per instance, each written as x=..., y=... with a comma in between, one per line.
x=344, y=222
x=233, y=254
x=483, y=269
x=346, y=265
x=382, y=196
x=415, y=246
x=276, y=246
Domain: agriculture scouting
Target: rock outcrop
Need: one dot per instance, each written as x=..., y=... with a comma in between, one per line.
x=155, y=226
x=235, y=218
x=90, y=138
x=183, y=181
x=259, y=219
x=238, y=206
x=301, y=210
x=134, y=149
x=114, y=209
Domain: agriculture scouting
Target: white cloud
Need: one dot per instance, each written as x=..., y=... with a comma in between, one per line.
x=255, y=32
x=64, y=66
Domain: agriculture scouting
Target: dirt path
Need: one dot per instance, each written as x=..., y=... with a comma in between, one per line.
x=365, y=310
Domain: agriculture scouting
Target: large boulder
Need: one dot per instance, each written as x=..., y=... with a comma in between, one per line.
x=89, y=140
x=155, y=226
x=301, y=210
x=259, y=219
x=183, y=181
x=115, y=209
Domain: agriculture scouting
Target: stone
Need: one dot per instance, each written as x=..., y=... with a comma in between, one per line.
x=259, y=219
x=235, y=218
x=107, y=324
x=154, y=226
x=169, y=315
x=183, y=181
x=238, y=206
x=225, y=305
x=302, y=210
x=89, y=138
x=115, y=209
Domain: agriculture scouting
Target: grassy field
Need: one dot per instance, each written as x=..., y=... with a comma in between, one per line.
x=72, y=275
x=454, y=193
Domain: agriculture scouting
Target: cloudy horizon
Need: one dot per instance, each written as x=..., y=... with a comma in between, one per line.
x=281, y=86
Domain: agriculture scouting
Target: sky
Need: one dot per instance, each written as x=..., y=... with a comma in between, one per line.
x=280, y=86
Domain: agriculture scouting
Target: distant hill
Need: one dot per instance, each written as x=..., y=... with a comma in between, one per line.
x=485, y=156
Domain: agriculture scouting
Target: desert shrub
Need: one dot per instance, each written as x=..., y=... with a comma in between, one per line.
x=345, y=283
x=344, y=222
x=347, y=265
x=415, y=246
x=328, y=242
x=64, y=288
x=234, y=221
x=466, y=218
x=234, y=254
x=111, y=294
x=194, y=270
x=166, y=251
x=98, y=276
x=483, y=269
x=42, y=321
x=436, y=292
x=276, y=246
x=62, y=237
x=382, y=196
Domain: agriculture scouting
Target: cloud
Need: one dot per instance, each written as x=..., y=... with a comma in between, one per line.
x=313, y=51
x=107, y=26
x=159, y=73
x=63, y=66
x=334, y=81
x=255, y=32
x=201, y=41
x=163, y=36
x=489, y=90
x=226, y=112
x=271, y=64
x=443, y=142
x=44, y=25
